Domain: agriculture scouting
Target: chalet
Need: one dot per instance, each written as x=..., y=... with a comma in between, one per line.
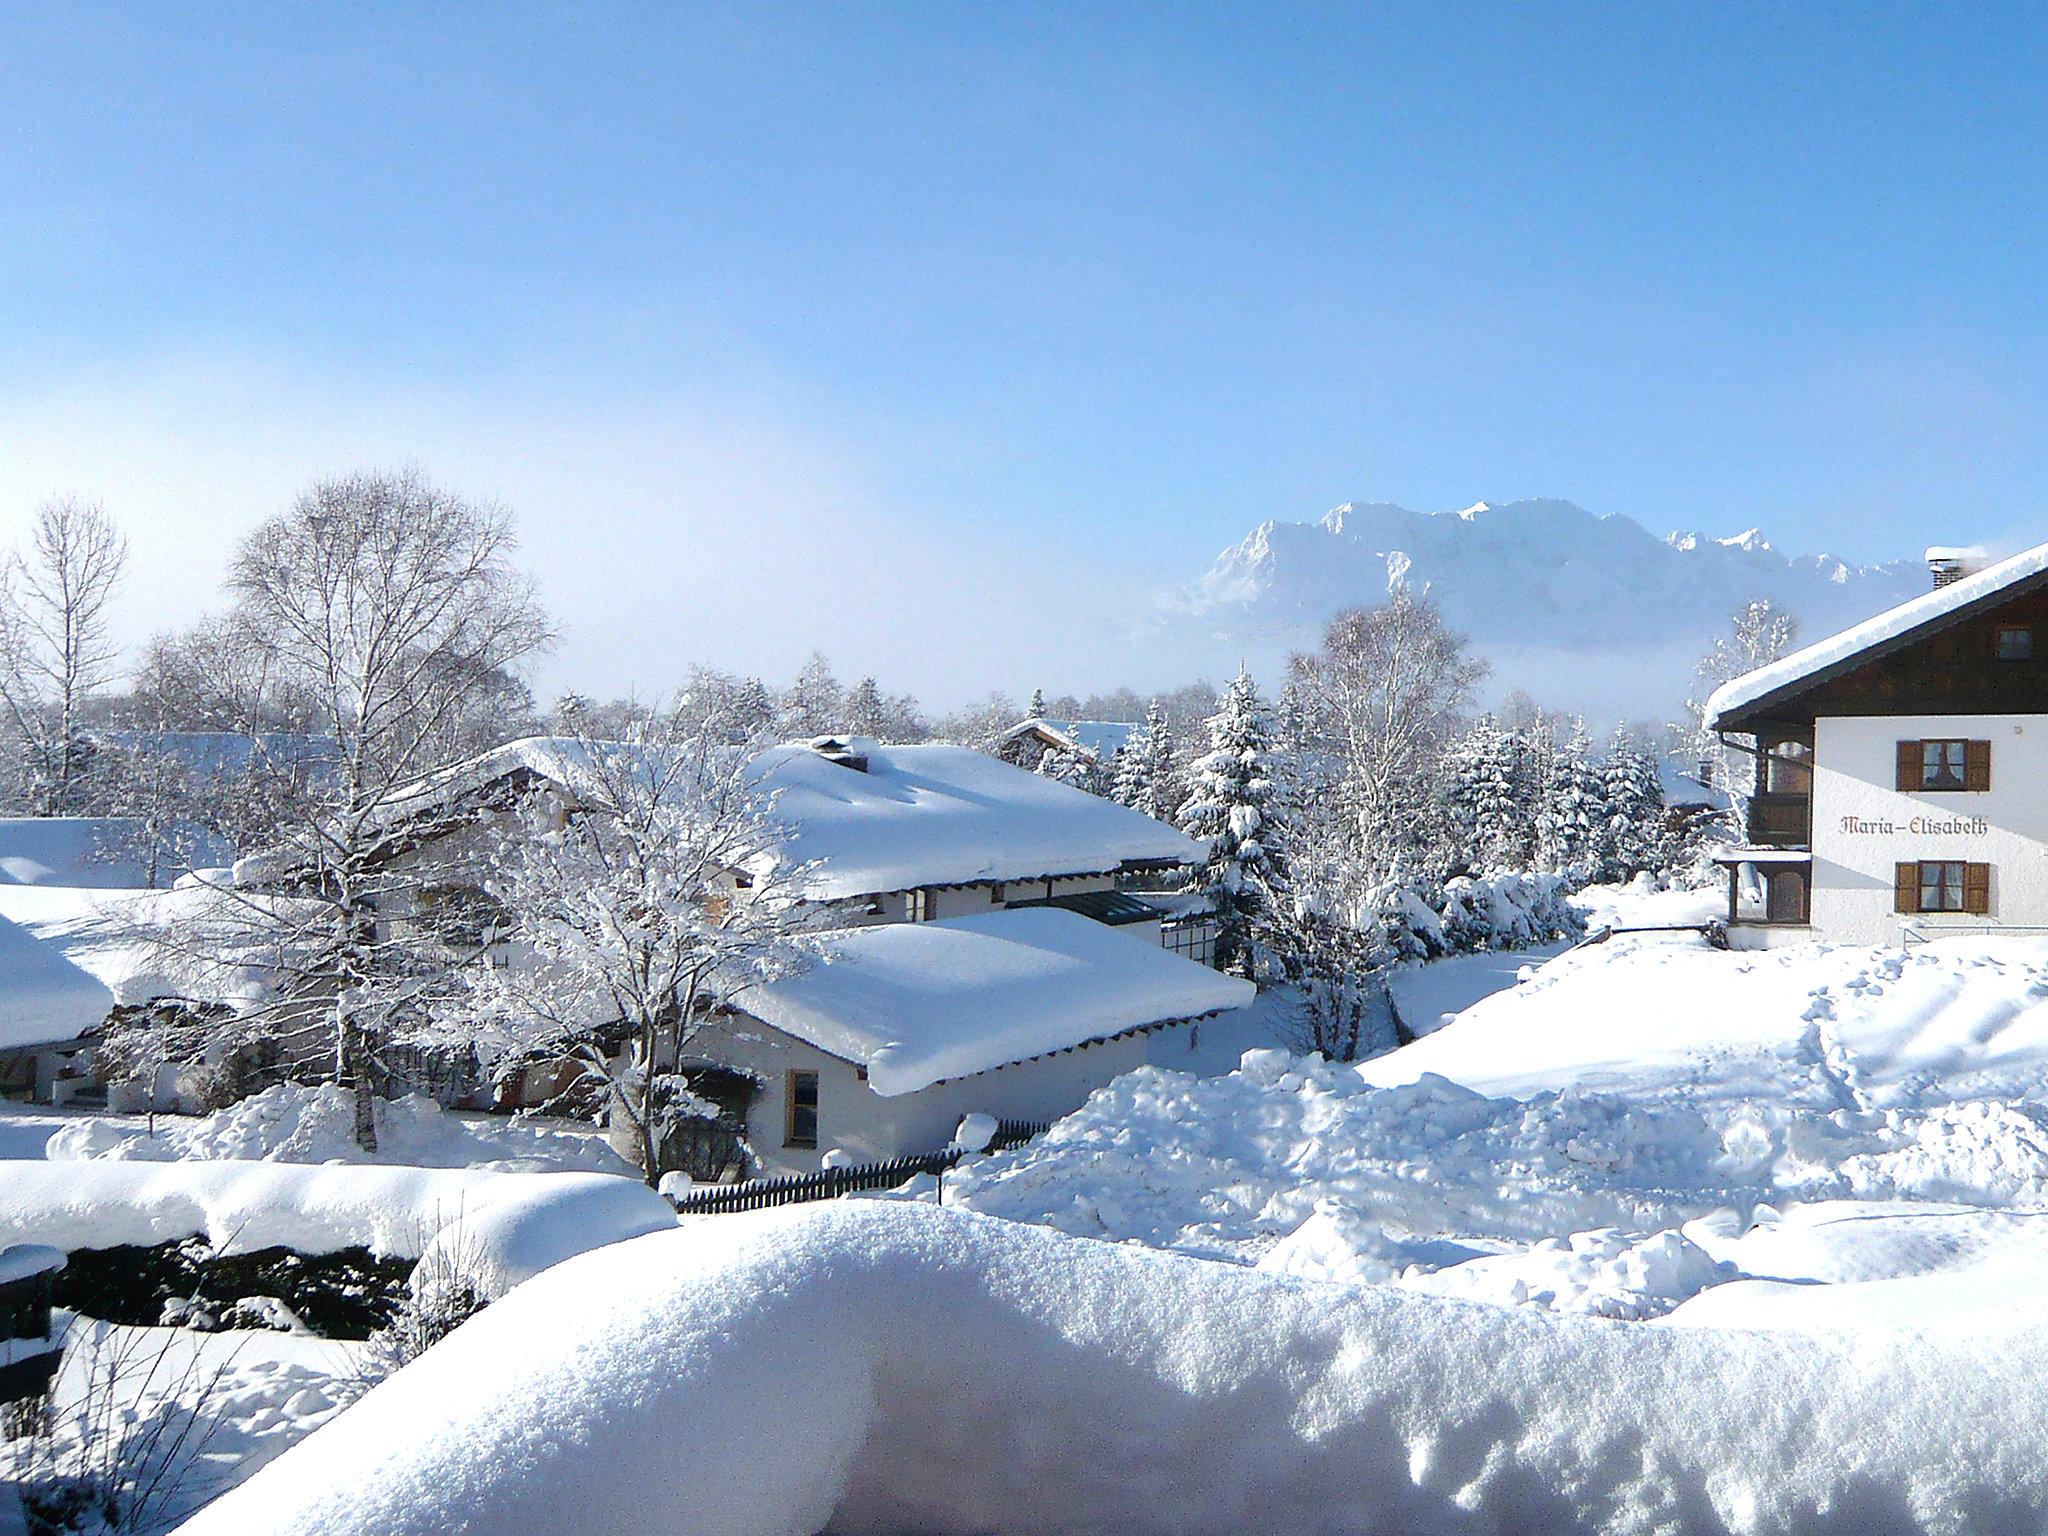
x=1900, y=769
x=981, y=955
x=1028, y=740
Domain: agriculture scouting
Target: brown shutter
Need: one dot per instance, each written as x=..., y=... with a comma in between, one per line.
x=1909, y=766
x=1977, y=766
x=1977, y=889
x=1905, y=886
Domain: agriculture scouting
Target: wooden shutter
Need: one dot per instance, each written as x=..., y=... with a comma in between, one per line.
x=1977, y=766
x=1977, y=889
x=1910, y=778
x=1905, y=885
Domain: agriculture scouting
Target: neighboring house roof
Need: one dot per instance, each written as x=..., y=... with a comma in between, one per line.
x=920, y=1003
x=1115, y=908
x=1755, y=691
x=113, y=936
x=913, y=816
x=45, y=997
x=215, y=754
x=939, y=815
x=1682, y=785
x=83, y=851
x=1098, y=738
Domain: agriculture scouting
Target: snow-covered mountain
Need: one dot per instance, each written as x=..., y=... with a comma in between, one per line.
x=1590, y=612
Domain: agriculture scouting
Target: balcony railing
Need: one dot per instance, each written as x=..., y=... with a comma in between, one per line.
x=1781, y=821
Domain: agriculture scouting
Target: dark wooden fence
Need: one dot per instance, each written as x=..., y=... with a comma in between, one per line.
x=830, y=1183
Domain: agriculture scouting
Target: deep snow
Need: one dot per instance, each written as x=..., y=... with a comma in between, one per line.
x=938, y=1372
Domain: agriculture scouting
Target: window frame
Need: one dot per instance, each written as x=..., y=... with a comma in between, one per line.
x=793, y=1083
x=1941, y=886
x=1941, y=745
x=2025, y=650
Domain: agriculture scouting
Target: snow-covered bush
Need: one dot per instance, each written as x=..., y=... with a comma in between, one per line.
x=1507, y=910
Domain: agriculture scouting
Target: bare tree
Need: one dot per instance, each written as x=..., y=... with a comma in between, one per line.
x=386, y=604
x=54, y=649
x=645, y=887
x=1384, y=692
x=1756, y=636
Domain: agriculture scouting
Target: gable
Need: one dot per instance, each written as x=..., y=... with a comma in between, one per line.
x=1946, y=662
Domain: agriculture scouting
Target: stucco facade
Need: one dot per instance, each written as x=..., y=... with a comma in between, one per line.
x=1864, y=826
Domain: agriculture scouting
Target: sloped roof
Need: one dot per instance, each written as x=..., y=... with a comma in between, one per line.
x=917, y=815
x=45, y=998
x=1886, y=632
x=82, y=851
x=919, y=1003
x=1101, y=739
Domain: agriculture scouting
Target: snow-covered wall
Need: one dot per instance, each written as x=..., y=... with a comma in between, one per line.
x=1863, y=825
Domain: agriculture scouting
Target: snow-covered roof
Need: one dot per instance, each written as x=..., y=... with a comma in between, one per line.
x=80, y=850
x=113, y=937
x=45, y=996
x=1886, y=630
x=1101, y=739
x=940, y=815
x=218, y=754
x=918, y=1003
x=915, y=816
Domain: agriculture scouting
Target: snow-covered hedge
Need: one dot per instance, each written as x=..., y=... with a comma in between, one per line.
x=922, y=1369
x=1506, y=909
x=509, y=1225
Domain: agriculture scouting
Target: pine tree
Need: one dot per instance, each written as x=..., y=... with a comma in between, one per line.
x=753, y=706
x=1575, y=810
x=1635, y=837
x=1035, y=710
x=1483, y=799
x=866, y=713
x=1082, y=770
x=1233, y=807
x=1144, y=775
x=815, y=702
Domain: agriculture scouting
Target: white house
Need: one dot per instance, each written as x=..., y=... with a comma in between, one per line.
x=982, y=957
x=1901, y=769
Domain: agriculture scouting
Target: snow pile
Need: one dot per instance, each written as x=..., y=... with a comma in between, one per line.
x=294, y=1124
x=918, y=1003
x=1625, y=1093
x=1049, y=1384
x=510, y=1224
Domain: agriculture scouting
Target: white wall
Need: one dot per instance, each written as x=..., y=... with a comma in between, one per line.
x=859, y=1121
x=1855, y=771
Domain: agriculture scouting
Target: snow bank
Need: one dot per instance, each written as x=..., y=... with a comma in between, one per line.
x=1055, y=1385
x=294, y=1124
x=82, y=851
x=918, y=1003
x=512, y=1224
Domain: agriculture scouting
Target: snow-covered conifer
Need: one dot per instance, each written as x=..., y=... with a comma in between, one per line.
x=1635, y=836
x=866, y=711
x=1232, y=805
x=1146, y=776
x=1485, y=809
x=1575, y=811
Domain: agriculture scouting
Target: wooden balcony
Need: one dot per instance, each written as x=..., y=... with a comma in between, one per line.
x=1781, y=821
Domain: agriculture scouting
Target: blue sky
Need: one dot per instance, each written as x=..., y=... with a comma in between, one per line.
x=905, y=318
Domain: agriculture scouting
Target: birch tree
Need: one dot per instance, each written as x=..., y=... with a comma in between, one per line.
x=387, y=603
x=55, y=652
x=645, y=888
x=1386, y=689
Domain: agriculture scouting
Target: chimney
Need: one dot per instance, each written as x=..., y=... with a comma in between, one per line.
x=841, y=750
x=1952, y=565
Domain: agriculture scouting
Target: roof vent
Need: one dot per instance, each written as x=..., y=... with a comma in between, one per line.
x=1952, y=565
x=838, y=749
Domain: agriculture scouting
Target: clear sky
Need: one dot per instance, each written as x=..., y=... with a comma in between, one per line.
x=906, y=331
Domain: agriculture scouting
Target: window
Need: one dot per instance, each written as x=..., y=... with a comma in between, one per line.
x=917, y=906
x=995, y=894
x=2015, y=642
x=1943, y=764
x=1943, y=885
x=800, y=1110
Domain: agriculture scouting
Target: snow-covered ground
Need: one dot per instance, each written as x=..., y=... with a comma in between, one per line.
x=1614, y=1134
x=292, y=1124
x=937, y=1372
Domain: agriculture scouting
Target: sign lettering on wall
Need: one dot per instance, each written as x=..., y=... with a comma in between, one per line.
x=1919, y=826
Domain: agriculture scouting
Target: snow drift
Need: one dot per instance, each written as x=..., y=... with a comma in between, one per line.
x=939, y=1372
